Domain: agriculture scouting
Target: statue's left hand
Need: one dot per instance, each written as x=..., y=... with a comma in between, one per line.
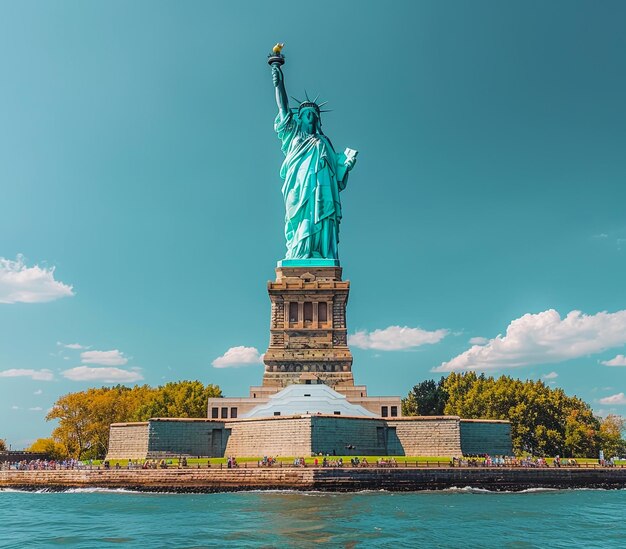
x=350, y=163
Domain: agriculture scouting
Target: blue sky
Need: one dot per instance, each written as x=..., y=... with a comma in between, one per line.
x=141, y=214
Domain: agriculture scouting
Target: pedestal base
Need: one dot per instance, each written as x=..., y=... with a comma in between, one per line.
x=308, y=334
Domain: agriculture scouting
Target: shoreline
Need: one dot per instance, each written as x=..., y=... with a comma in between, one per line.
x=402, y=479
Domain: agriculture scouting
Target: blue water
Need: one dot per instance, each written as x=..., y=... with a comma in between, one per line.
x=453, y=518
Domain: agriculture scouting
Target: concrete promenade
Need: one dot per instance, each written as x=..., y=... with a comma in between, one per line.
x=345, y=479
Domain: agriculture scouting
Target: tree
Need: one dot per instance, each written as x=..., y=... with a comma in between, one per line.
x=3, y=445
x=427, y=398
x=178, y=399
x=85, y=417
x=611, y=439
x=52, y=449
x=544, y=421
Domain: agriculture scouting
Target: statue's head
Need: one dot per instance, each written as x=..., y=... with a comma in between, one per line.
x=309, y=114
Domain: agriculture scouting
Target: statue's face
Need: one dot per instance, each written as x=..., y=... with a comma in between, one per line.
x=309, y=117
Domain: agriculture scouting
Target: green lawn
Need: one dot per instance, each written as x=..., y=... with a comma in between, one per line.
x=400, y=460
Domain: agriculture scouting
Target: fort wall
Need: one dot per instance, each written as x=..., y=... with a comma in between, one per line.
x=481, y=436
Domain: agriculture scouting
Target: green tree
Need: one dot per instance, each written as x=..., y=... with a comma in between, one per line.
x=544, y=421
x=427, y=398
x=84, y=418
x=3, y=445
x=178, y=399
x=611, y=436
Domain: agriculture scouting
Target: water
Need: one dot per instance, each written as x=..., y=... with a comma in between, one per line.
x=453, y=518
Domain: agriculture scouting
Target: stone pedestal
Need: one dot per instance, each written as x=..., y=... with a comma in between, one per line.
x=308, y=333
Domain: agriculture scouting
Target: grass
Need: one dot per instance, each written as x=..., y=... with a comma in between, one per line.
x=400, y=460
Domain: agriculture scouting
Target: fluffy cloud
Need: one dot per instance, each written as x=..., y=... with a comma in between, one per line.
x=104, y=358
x=619, y=360
x=544, y=338
x=478, y=341
x=38, y=392
x=107, y=375
x=395, y=338
x=22, y=284
x=72, y=345
x=36, y=409
x=39, y=375
x=551, y=375
x=619, y=398
x=238, y=356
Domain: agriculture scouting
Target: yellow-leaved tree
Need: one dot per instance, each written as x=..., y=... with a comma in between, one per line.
x=84, y=417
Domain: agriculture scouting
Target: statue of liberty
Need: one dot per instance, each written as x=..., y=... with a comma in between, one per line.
x=313, y=173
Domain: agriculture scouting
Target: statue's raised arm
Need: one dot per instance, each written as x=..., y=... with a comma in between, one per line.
x=281, y=94
x=276, y=60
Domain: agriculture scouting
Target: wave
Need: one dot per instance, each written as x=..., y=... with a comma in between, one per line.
x=74, y=491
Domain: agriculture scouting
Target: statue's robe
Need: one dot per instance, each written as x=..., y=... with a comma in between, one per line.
x=313, y=174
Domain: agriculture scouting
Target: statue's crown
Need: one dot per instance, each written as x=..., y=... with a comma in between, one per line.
x=308, y=104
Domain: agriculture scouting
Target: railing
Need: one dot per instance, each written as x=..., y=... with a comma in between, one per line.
x=282, y=464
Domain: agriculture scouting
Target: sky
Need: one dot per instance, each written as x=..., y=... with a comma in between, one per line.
x=141, y=217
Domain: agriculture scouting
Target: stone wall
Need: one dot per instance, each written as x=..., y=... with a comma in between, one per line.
x=188, y=437
x=424, y=436
x=128, y=441
x=337, y=435
x=280, y=436
x=480, y=436
x=302, y=436
x=310, y=478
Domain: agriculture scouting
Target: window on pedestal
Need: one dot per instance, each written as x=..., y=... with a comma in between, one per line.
x=394, y=411
x=308, y=311
x=215, y=413
x=233, y=412
x=293, y=312
x=384, y=411
x=322, y=312
x=224, y=413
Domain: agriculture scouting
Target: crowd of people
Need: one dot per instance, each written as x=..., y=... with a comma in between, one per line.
x=45, y=465
x=483, y=460
x=510, y=461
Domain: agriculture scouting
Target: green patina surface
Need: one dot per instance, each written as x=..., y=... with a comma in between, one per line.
x=313, y=175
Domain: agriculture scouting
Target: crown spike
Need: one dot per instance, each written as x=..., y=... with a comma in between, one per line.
x=322, y=104
x=306, y=95
x=296, y=99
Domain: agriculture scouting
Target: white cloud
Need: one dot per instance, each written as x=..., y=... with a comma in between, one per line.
x=75, y=346
x=104, y=358
x=478, y=341
x=36, y=409
x=22, y=284
x=619, y=398
x=544, y=338
x=395, y=338
x=38, y=392
x=238, y=356
x=15, y=407
x=108, y=375
x=551, y=375
x=619, y=360
x=38, y=375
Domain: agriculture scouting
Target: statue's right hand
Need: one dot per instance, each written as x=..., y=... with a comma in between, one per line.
x=277, y=75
